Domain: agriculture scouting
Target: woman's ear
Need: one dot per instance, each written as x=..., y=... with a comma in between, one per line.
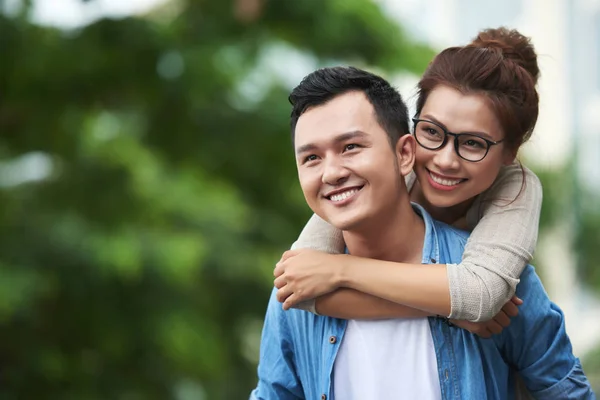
x=405, y=151
x=509, y=156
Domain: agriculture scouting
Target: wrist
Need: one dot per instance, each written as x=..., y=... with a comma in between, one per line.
x=316, y=306
x=344, y=271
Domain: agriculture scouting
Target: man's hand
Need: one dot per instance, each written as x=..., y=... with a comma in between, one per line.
x=304, y=274
x=496, y=324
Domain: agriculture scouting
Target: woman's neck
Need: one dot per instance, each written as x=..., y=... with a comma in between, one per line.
x=455, y=215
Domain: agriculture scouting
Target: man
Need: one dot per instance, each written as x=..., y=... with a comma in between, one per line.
x=351, y=126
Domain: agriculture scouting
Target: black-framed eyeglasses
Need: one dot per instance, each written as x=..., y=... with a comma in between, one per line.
x=468, y=146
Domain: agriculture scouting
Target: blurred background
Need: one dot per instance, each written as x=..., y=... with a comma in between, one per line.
x=148, y=186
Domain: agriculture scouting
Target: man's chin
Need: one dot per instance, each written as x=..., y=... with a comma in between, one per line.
x=345, y=224
x=343, y=218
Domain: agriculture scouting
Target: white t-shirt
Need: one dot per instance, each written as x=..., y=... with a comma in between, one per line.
x=386, y=359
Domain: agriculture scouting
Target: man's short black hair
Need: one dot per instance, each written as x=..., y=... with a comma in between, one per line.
x=324, y=84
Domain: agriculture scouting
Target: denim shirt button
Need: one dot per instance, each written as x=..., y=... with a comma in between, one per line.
x=332, y=340
x=323, y=396
x=446, y=374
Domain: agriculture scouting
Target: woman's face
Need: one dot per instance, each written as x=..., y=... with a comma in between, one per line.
x=447, y=180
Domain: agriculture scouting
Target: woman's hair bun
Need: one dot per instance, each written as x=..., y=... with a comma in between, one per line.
x=513, y=45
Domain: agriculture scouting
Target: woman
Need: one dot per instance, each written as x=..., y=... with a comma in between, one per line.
x=465, y=175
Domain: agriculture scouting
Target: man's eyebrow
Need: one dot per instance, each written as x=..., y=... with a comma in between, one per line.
x=357, y=134
x=338, y=139
x=305, y=148
x=434, y=119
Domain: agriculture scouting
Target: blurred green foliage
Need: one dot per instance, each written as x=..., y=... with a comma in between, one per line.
x=565, y=197
x=147, y=187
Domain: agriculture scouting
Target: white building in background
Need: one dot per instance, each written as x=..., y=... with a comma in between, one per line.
x=584, y=55
x=566, y=35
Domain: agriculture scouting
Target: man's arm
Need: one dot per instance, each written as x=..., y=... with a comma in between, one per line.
x=277, y=377
x=537, y=345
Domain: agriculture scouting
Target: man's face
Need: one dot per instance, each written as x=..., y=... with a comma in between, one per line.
x=348, y=171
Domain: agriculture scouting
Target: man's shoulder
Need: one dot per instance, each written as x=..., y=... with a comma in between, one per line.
x=440, y=229
x=449, y=241
x=452, y=232
x=293, y=317
x=450, y=238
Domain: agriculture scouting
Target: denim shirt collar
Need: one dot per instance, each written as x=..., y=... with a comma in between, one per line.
x=431, y=247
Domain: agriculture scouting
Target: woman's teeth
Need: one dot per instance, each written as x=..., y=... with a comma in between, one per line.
x=445, y=182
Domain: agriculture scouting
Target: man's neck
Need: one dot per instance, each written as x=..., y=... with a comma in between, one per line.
x=397, y=237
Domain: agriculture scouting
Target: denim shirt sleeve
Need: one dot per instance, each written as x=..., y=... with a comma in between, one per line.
x=277, y=377
x=537, y=346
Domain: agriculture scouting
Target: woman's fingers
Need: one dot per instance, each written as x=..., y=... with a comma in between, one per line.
x=516, y=300
x=279, y=282
x=502, y=319
x=511, y=309
x=283, y=293
x=494, y=327
x=290, y=301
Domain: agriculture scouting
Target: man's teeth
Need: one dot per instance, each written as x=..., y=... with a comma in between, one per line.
x=343, y=195
x=445, y=182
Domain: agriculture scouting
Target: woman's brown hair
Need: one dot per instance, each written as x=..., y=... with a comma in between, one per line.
x=500, y=64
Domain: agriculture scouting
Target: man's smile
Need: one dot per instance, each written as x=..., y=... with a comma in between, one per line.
x=343, y=196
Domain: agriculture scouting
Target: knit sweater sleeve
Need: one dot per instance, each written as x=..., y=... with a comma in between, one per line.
x=505, y=221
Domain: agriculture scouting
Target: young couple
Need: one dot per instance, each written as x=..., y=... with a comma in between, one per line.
x=396, y=304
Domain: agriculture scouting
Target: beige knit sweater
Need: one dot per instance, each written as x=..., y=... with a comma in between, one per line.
x=504, y=222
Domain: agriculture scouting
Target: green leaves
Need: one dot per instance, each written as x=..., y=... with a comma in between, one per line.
x=138, y=263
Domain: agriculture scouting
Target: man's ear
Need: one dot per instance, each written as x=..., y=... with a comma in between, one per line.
x=405, y=151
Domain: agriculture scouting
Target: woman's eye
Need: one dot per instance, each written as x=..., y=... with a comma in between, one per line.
x=474, y=143
x=432, y=132
x=351, y=146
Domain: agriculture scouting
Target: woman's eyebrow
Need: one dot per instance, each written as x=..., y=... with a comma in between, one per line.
x=478, y=133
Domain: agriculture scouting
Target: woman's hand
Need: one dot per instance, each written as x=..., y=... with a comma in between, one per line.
x=495, y=325
x=304, y=274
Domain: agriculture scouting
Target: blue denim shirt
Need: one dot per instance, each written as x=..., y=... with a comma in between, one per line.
x=298, y=349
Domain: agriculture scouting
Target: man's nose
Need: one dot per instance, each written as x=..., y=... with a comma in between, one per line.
x=334, y=172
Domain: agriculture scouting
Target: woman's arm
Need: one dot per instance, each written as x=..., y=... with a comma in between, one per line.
x=505, y=220
x=475, y=290
x=319, y=235
x=358, y=305
x=307, y=274
x=344, y=303
x=351, y=304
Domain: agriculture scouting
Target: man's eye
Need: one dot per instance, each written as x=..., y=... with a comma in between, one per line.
x=312, y=157
x=351, y=146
